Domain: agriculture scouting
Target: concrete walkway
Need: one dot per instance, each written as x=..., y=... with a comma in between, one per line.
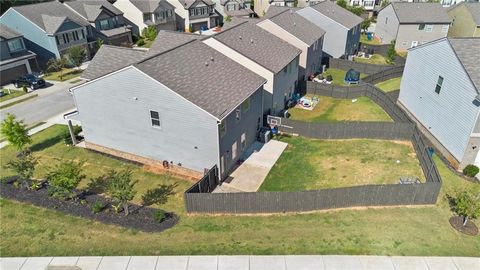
x=249, y=176
x=241, y=263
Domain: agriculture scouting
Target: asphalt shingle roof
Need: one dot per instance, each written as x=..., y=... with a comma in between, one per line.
x=90, y=9
x=111, y=58
x=338, y=14
x=49, y=15
x=420, y=12
x=474, y=9
x=148, y=6
x=8, y=33
x=188, y=3
x=258, y=45
x=467, y=50
x=298, y=26
x=167, y=40
x=198, y=76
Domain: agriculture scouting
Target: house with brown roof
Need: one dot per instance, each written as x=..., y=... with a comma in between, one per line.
x=411, y=24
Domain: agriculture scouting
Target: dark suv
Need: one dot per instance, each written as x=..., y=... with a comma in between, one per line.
x=29, y=80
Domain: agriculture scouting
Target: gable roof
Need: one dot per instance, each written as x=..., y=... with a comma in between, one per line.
x=338, y=14
x=90, y=9
x=298, y=26
x=467, y=51
x=474, y=9
x=49, y=15
x=258, y=45
x=198, y=76
x=167, y=40
x=7, y=33
x=420, y=12
x=111, y=58
x=148, y=6
x=188, y=3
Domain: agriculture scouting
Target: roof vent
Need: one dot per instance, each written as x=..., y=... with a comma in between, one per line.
x=251, y=40
x=239, y=37
x=206, y=63
x=211, y=59
x=294, y=24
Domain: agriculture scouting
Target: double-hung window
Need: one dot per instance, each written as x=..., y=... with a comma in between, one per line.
x=15, y=45
x=438, y=87
x=155, y=119
x=429, y=28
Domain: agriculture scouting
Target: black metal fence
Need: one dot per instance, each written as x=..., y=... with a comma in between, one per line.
x=207, y=184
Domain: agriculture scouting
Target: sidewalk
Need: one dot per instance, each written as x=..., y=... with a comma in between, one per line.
x=241, y=263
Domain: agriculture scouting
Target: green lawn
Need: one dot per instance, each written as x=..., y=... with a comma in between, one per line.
x=375, y=59
x=420, y=231
x=338, y=76
x=13, y=94
x=332, y=110
x=321, y=164
x=364, y=40
x=390, y=85
x=68, y=73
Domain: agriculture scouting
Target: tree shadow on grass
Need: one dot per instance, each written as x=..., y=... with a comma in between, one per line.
x=46, y=143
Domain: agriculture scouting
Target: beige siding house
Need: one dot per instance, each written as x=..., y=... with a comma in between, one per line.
x=411, y=24
x=465, y=20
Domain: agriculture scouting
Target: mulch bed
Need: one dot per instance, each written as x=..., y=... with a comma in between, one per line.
x=457, y=224
x=140, y=218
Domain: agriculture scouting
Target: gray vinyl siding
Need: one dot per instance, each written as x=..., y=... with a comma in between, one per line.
x=114, y=113
x=409, y=32
x=284, y=86
x=353, y=38
x=314, y=60
x=451, y=115
x=235, y=129
x=335, y=39
x=386, y=29
x=4, y=51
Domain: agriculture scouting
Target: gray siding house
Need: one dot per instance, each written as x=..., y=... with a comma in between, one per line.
x=284, y=23
x=137, y=106
x=411, y=24
x=440, y=90
x=195, y=15
x=342, y=28
x=15, y=59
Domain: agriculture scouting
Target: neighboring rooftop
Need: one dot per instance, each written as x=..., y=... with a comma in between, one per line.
x=90, y=9
x=467, y=50
x=148, y=6
x=8, y=33
x=188, y=3
x=420, y=12
x=338, y=14
x=258, y=45
x=49, y=16
x=298, y=26
x=474, y=9
x=111, y=58
x=167, y=40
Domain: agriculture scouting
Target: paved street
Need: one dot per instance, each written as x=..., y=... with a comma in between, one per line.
x=241, y=263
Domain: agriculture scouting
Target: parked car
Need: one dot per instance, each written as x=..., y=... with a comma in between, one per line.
x=30, y=80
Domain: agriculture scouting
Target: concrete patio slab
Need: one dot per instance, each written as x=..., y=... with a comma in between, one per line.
x=342, y=262
x=304, y=263
x=267, y=263
x=376, y=263
x=409, y=263
x=233, y=263
x=36, y=263
x=62, y=261
x=89, y=263
x=114, y=262
x=440, y=263
x=12, y=263
x=142, y=262
x=465, y=263
x=202, y=262
x=172, y=263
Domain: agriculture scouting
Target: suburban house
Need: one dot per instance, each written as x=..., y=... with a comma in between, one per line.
x=261, y=6
x=465, y=20
x=266, y=55
x=342, y=28
x=368, y=5
x=106, y=19
x=135, y=105
x=440, y=89
x=15, y=59
x=195, y=15
x=299, y=32
x=411, y=24
x=141, y=14
x=233, y=8
x=449, y=3
x=49, y=29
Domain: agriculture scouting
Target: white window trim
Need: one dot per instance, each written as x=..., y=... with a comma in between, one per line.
x=159, y=119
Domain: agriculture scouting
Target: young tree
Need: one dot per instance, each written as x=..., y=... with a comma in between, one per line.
x=467, y=205
x=121, y=188
x=366, y=24
x=15, y=132
x=342, y=3
x=77, y=54
x=228, y=18
x=55, y=64
x=64, y=178
x=99, y=43
x=158, y=195
x=24, y=166
x=391, y=53
x=150, y=32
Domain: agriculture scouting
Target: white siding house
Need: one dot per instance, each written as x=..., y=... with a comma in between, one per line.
x=440, y=89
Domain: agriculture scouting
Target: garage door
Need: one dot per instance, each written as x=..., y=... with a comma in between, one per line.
x=6, y=76
x=197, y=26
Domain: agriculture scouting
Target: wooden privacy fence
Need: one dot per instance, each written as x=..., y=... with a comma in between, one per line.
x=208, y=182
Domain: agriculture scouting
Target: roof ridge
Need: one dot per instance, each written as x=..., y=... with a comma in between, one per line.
x=160, y=53
x=230, y=28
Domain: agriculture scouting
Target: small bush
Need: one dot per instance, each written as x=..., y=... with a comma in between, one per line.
x=140, y=42
x=97, y=207
x=135, y=38
x=67, y=138
x=64, y=178
x=471, y=170
x=24, y=88
x=35, y=185
x=329, y=78
x=159, y=216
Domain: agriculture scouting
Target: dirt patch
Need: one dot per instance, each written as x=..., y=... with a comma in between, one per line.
x=469, y=229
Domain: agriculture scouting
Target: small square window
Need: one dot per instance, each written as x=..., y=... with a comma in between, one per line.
x=429, y=28
x=421, y=27
x=238, y=114
x=438, y=87
x=155, y=119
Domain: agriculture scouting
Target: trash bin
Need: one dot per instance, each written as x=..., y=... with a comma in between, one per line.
x=369, y=36
x=430, y=151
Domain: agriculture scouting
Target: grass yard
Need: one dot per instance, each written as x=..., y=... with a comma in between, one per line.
x=13, y=94
x=376, y=59
x=390, y=85
x=338, y=76
x=364, y=40
x=68, y=73
x=320, y=164
x=421, y=231
x=333, y=110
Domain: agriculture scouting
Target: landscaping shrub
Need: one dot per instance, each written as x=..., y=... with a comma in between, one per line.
x=135, y=38
x=467, y=205
x=68, y=139
x=64, y=178
x=97, y=207
x=24, y=88
x=471, y=170
x=140, y=42
x=15, y=132
x=24, y=166
x=158, y=195
x=150, y=32
x=391, y=53
x=159, y=215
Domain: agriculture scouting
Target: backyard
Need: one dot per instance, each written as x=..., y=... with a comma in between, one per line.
x=67, y=74
x=373, y=41
x=390, y=85
x=333, y=110
x=321, y=164
x=375, y=59
x=338, y=76
x=31, y=231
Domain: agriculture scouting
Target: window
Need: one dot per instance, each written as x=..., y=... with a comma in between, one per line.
x=238, y=114
x=155, y=118
x=104, y=24
x=223, y=129
x=438, y=87
x=243, y=141
x=444, y=28
x=386, y=20
x=429, y=28
x=83, y=34
x=246, y=105
x=147, y=17
x=421, y=27
x=234, y=150
x=231, y=7
x=15, y=45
